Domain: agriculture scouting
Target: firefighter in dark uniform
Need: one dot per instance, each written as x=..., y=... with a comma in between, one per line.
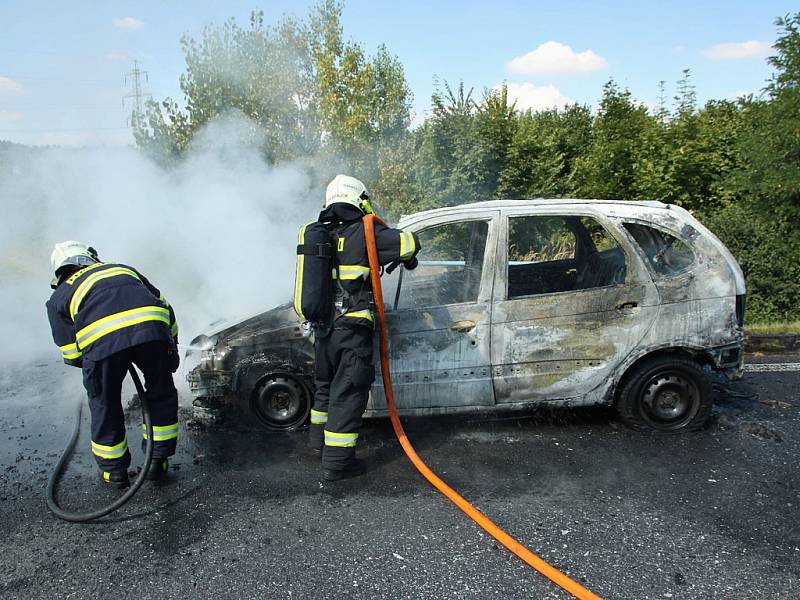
x=104, y=317
x=344, y=369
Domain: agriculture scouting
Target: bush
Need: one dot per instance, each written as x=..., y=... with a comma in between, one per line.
x=769, y=254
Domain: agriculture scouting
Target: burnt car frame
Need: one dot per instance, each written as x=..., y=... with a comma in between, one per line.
x=519, y=303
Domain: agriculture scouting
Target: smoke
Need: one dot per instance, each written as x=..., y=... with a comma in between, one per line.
x=216, y=234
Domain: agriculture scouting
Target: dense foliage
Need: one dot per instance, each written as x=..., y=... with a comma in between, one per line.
x=310, y=93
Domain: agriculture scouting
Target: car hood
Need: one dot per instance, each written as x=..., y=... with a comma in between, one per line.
x=275, y=324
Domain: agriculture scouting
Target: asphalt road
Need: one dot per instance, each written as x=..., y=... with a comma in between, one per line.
x=713, y=514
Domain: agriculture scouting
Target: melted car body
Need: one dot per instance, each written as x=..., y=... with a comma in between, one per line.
x=518, y=303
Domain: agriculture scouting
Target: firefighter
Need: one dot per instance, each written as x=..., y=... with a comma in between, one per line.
x=105, y=317
x=344, y=369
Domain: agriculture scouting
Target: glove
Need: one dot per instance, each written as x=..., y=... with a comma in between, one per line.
x=411, y=263
x=173, y=357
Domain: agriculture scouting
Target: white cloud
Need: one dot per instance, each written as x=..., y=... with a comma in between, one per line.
x=554, y=58
x=536, y=97
x=738, y=94
x=116, y=56
x=7, y=116
x=128, y=23
x=736, y=50
x=8, y=86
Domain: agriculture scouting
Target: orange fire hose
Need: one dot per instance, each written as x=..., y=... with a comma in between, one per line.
x=501, y=536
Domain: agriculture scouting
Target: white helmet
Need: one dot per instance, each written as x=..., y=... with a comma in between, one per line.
x=349, y=190
x=71, y=253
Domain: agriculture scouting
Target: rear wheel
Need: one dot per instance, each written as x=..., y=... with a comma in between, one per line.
x=666, y=394
x=281, y=402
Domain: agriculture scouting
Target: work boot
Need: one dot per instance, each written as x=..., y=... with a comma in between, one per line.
x=354, y=469
x=158, y=468
x=117, y=479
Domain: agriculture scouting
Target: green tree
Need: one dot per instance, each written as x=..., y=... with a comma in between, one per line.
x=305, y=88
x=256, y=71
x=686, y=98
x=701, y=154
x=769, y=254
x=495, y=124
x=361, y=101
x=447, y=169
x=608, y=169
x=535, y=161
x=770, y=142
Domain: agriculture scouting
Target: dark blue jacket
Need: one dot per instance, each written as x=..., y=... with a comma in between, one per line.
x=352, y=262
x=105, y=308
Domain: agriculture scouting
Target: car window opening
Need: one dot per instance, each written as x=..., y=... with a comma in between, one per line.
x=551, y=254
x=450, y=266
x=666, y=254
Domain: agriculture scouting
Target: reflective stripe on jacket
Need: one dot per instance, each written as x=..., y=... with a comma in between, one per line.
x=105, y=308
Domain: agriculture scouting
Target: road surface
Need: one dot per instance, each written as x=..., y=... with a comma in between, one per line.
x=713, y=514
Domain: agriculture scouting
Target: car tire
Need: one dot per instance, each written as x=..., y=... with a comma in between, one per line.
x=281, y=401
x=665, y=394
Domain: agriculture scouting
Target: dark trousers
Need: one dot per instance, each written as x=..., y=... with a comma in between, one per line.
x=343, y=375
x=103, y=381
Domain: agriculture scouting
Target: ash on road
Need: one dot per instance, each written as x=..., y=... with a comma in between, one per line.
x=713, y=514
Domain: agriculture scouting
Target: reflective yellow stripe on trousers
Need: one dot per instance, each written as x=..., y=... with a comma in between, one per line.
x=318, y=417
x=127, y=318
x=162, y=433
x=341, y=440
x=116, y=451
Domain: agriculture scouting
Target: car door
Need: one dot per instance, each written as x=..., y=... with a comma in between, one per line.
x=572, y=300
x=439, y=317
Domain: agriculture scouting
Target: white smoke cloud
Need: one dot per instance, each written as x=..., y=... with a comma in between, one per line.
x=216, y=234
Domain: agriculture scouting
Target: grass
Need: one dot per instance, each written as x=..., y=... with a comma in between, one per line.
x=774, y=328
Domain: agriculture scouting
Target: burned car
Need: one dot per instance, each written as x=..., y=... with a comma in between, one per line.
x=518, y=303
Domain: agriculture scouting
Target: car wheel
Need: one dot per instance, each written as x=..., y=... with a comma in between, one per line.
x=281, y=402
x=665, y=394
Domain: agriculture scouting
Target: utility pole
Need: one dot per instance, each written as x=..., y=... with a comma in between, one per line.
x=134, y=79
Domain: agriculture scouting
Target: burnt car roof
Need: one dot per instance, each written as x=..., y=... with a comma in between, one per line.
x=501, y=204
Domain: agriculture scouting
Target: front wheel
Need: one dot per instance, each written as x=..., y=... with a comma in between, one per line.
x=281, y=402
x=665, y=394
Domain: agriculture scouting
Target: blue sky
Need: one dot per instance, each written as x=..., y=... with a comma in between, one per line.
x=62, y=64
